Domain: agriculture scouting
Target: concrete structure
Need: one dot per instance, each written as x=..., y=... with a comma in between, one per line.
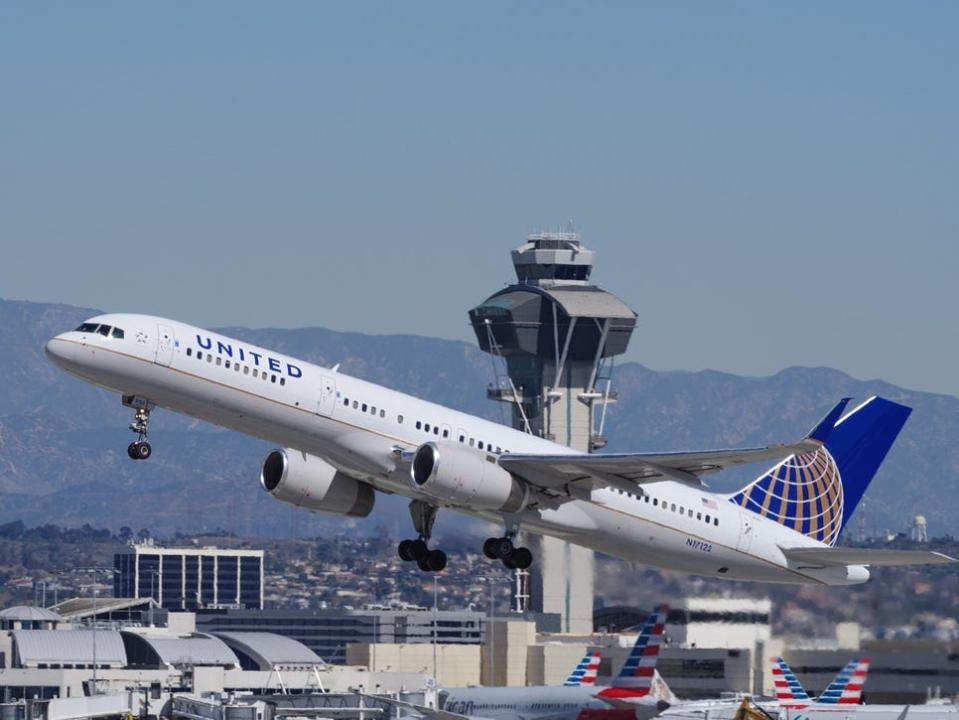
x=556, y=333
x=190, y=578
x=329, y=632
x=456, y=665
x=506, y=652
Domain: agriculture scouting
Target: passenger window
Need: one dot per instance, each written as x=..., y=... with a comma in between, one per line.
x=256, y=373
x=707, y=519
x=480, y=445
x=372, y=411
x=189, y=352
x=104, y=330
x=498, y=450
x=282, y=381
x=655, y=502
x=673, y=507
x=236, y=366
x=382, y=413
x=446, y=433
x=273, y=378
x=418, y=425
x=716, y=522
x=219, y=361
x=199, y=355
x=346, y=402
x=699, y=516
x=646, y=498
x=472, y=442
x=265, y=378
x=399, y=419
x=117, y=333
x=209, y=358
x=355, y=404
x=364, y=407
x=227, y=363
x=462, y=438
x=246, y=369
x=426, y=427
x=436, y=430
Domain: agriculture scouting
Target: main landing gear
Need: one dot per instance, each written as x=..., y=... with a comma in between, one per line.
x=418, y=550
x=502, y=548
x=139, y=449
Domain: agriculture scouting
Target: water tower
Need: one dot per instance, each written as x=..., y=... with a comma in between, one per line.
x=557, y=336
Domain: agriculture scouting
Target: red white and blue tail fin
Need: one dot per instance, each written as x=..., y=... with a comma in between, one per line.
x=788, y=687
x=636, y=677
x=846, y=687
x=585, y=673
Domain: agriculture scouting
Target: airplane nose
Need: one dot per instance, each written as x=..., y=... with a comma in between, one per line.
x=58, y=350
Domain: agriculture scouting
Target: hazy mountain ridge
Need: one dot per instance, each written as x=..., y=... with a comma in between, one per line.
x=63, y=442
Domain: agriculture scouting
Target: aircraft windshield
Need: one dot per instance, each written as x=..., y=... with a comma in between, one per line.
x=105, y=330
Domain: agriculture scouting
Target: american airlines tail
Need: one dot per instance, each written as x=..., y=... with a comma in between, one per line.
x=788, y=687
x=585, y=673
x=846, y=688
x=815, y=493
x=636, y=678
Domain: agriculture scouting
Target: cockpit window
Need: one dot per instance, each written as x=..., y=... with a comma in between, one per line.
x=104, y=330
x=87, y=327
x=117, y=333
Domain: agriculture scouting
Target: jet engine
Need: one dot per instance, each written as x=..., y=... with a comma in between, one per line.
x=309, y=482
x=459, y=476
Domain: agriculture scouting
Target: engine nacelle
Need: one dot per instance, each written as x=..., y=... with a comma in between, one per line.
x=309, y=482
x=459, y=476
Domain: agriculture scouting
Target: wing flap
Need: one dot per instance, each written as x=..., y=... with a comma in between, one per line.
x=841, y=556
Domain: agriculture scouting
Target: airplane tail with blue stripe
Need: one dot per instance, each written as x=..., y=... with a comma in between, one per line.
x=788, y=687
x=585, y=673
x=846, y=687
x=636, y=678
x=815, y=493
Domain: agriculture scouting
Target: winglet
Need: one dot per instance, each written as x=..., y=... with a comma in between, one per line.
x=824, y=428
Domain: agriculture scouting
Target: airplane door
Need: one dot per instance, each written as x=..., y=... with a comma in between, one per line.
x=747, y=528
x=327, y=401
x=165, y=341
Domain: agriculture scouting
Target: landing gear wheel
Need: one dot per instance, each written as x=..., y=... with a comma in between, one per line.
x=139, y=450
x=424, y=565
x=404, y=550
x=522, y=558
x=508, y=562
x=503, y=547
x=419, y=551
x=489, y=548
x=436, y=561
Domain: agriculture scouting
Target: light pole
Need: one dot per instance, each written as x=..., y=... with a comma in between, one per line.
x=434, y=628
x=491, y=615
x=93, y=586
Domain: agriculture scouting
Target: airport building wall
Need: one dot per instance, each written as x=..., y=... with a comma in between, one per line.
x=456, y=665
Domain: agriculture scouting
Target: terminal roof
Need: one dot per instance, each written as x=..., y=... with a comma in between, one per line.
x=69, y=647
x=268, y=650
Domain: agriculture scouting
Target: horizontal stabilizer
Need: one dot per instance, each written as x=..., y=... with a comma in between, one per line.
x=841, y=556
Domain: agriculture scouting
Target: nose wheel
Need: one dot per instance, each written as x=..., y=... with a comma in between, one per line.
x=139, y=449
x=418, y=550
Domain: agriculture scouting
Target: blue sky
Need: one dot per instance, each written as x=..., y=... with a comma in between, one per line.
x=767, y=184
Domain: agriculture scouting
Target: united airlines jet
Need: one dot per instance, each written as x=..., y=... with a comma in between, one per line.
x=343, y=439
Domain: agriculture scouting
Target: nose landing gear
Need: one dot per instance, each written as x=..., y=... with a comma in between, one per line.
x=139, y=449
x=418, y=550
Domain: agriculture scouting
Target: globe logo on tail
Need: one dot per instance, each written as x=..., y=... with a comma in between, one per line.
x=804, y=493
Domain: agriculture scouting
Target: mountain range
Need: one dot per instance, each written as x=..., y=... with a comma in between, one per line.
x=63, y=443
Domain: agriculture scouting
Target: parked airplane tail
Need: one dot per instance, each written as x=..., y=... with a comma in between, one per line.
x=636, y=677
x=585, y=673
x=846, y=687
x=788, y=687
x=815, y=493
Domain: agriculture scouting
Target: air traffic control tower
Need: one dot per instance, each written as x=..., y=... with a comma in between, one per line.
x=557, y=335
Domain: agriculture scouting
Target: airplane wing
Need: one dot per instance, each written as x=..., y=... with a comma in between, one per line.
x=577, y=473
x=840, y=556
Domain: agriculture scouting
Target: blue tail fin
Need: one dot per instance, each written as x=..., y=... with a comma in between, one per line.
x=816, y=493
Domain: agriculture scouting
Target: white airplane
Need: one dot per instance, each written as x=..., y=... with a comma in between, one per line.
x=346, y=438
